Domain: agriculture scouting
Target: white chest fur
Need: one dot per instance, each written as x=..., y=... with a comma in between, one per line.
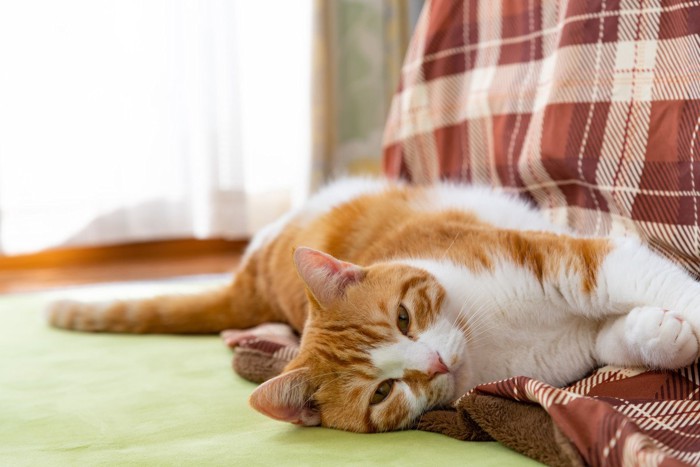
x=511, y=332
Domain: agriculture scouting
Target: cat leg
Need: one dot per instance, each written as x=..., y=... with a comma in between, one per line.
x=238, y=305
x=599, y=278
x=647, y=336
x=201, y=313
x=632, y=275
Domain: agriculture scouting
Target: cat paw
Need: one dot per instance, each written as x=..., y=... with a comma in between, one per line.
x=661, y=337
x=276, y=332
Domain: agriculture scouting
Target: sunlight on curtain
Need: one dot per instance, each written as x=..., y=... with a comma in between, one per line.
x=134, y=120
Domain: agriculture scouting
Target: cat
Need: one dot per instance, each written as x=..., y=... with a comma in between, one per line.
x=408, y=296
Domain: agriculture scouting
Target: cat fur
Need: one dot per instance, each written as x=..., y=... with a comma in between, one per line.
x=491, y=287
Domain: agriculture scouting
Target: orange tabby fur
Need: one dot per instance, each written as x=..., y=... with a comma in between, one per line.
x=369, y=231
x=366, y=230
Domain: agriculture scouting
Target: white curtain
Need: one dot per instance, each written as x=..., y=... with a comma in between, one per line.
x=131, y=120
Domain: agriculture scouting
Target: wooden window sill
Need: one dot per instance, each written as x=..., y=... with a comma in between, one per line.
x=127, y=262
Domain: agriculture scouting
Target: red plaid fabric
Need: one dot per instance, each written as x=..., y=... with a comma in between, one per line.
x=590, y=109
x=621, y=416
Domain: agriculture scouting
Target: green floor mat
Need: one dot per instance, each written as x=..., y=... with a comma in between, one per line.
x=97, y=399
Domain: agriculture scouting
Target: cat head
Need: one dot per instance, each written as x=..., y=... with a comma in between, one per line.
x=376, y=351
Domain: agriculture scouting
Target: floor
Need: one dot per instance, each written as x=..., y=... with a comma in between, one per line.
x=139, y=261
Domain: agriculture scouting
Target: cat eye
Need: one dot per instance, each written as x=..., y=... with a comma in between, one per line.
x=382, y=392
x=404, y=320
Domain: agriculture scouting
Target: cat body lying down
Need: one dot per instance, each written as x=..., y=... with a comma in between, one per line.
x=406, y=297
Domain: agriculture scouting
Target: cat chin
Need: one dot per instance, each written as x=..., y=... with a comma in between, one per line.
x=462, y=383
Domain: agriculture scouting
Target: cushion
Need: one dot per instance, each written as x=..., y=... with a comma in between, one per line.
x=591, y=110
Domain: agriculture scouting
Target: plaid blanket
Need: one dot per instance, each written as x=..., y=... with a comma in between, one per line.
x=615, y=416
x=591, y=109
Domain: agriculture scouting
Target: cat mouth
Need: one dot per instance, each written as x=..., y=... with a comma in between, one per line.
x=459, y=381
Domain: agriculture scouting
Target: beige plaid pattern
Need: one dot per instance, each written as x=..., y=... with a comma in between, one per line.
x=589, y=109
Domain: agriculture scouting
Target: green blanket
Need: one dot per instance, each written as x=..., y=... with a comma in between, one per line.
x=97, y=399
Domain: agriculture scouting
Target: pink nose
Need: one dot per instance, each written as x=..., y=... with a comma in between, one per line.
x=437, y=366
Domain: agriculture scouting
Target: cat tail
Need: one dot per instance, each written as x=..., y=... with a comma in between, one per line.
x=206, y=312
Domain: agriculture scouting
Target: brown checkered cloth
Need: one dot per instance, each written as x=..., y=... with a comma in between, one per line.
x=591, y=109
x=615, y=416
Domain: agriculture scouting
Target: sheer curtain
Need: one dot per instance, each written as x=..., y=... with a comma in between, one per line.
x=133, y=120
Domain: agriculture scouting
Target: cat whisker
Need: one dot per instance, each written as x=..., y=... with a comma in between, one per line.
x=461, y=324
x=472, y=321
x=473, y=312
x=481, y=333
x=444, y=255
x=475, y=321
x=478, y=322
x=460, y=321
x=476, y=340
x=480, y=328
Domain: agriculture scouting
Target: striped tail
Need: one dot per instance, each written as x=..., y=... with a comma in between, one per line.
x=202, y=313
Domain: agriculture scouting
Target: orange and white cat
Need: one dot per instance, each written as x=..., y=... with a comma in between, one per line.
x=406, y=297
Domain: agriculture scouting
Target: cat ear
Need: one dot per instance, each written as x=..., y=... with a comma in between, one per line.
x=325, y=276
x=287, y=397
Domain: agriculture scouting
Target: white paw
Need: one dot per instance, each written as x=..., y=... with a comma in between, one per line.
x=661, y=338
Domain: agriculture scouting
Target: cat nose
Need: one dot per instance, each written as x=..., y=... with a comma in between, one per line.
x=437, y=366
